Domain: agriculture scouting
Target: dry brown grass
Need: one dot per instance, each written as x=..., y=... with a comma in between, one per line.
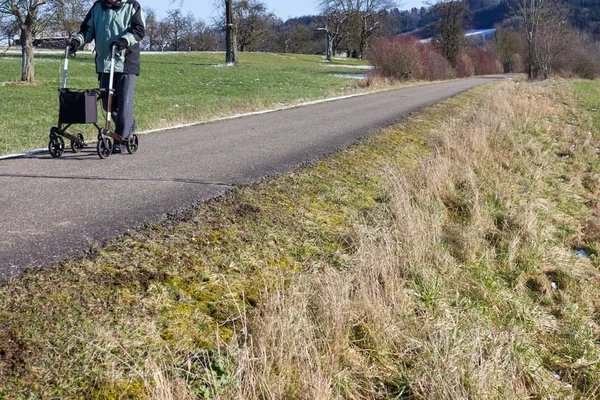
x=461, y=285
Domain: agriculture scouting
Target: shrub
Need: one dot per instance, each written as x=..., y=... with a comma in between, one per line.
x=516, y=64
x=484, y=63
x=435, y=65
x=586, y=65
x=392, y=58
x=395, y=57
x=464, y=66
x=576, y=57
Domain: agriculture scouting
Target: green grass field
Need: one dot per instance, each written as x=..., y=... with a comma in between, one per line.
x=172, y=89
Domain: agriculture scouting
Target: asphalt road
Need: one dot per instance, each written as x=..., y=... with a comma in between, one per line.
x=54, y=208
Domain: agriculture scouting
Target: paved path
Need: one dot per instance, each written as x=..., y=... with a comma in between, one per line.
x=53, y=208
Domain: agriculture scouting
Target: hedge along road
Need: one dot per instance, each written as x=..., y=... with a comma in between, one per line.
x=54, y=208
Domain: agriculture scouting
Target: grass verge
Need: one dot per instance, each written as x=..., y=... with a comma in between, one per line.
x=436, y=259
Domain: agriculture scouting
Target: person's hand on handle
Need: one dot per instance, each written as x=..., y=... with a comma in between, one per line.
x=74, y=46
x=121, y=44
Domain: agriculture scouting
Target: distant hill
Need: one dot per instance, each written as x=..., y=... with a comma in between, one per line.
x=488, y=17
x=583, y=15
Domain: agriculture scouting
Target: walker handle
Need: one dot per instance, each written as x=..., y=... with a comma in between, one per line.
x=66, y=67
x=113, y=53
x=110, y=86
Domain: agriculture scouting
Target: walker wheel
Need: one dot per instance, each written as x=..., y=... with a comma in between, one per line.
x=56, y=144
x=77, y=145
x=132, y=144
x=104, y=151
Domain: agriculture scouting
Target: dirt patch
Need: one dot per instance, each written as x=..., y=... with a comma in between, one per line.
x=14, y=352
x=592, y=229
x=19, y=83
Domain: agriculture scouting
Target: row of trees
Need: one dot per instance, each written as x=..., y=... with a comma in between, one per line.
x=342, y=24
x=183, y=32
x=347, y=26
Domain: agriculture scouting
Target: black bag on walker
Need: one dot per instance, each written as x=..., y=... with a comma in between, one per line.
x=77, y=106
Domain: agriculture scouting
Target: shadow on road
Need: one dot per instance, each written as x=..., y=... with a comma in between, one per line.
x=115, y=179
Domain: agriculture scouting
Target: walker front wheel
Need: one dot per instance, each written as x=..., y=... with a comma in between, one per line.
x=104, y=147
x=56, y=144
x=77, y=145
x=132, y=144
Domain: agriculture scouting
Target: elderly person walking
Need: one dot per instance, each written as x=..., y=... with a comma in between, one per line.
x=122, y=24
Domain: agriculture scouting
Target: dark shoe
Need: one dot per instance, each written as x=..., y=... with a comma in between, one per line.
x=118, y=148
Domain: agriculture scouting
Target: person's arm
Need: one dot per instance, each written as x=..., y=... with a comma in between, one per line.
x=137, y=28
x=86, y=31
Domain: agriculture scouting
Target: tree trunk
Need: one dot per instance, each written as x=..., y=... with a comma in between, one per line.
x=362, y=47
x=531, y=56
x=329, y=47
x=27, y=70
x=230, y=39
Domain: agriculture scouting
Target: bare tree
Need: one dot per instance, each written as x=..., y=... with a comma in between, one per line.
x=550, y=43
x=532, y=14
x=176, y=28
x=363, y=17
x=299, y=39
x=335, y=30
x=8, y=30
x=31, y=16
x=202, y=37
x=369, y=23
x=68, y=14
x=152, y=38
x=251, y=19
x=451, y=28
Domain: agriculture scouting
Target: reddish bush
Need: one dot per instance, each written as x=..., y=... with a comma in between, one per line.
x=435, y=66
x=393, y=58
x=484, y=62
x=396, y=57
x=464, y=66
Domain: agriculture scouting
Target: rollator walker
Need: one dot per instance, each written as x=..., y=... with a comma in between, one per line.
x=80, y=107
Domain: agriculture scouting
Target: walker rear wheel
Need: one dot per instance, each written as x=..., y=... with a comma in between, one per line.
x=76, y=146
x=104, y=150
x=132, y=144
x=56, y=144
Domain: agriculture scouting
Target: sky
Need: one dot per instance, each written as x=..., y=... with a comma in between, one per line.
x=284, y=9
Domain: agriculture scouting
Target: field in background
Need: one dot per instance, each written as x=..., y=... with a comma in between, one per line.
x=454, y=255
x=173, y=88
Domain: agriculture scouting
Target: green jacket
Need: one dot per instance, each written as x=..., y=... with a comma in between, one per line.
x=105, y=23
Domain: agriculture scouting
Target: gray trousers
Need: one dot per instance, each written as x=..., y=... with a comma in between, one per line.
x=122, y=105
